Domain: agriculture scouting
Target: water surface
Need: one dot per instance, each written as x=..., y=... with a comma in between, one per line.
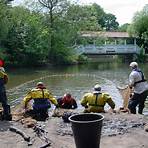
x=74, y=79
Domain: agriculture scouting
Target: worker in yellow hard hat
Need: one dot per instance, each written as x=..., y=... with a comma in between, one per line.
x=96, y=100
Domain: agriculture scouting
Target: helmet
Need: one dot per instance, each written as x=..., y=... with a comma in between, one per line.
x=40, y=84
x=97, y=88
x=133, y=64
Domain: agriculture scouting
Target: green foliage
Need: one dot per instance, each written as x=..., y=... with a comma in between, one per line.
x=124, y=27
x=139, y=27
x=27, y=39
x=141, y=57
x=4, y=20
x=85, y=17
x=63, y=39
x=82, y=59
x=110, y=23
x=47, y=30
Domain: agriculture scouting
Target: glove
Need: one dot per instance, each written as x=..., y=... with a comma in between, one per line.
x=86, y=106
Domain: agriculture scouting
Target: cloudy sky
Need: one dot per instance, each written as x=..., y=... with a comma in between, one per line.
x=123, y=9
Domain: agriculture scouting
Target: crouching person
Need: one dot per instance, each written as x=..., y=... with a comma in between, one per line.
x=67, y=102
x=41, y=101
x=96, y=100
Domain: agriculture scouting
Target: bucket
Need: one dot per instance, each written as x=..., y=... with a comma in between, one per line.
x=86, y=129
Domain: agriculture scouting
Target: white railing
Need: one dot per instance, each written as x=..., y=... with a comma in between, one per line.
x=108, y=49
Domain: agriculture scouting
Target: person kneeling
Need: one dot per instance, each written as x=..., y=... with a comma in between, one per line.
x=96, y=100
x=67, y=102
x=42, y=98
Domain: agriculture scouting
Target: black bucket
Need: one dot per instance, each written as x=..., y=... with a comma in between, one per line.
x=87, y=129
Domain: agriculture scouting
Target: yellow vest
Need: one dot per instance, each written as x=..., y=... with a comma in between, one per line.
x=97, y=102
x=37, y=93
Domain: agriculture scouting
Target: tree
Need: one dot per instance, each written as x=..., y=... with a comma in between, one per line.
x=54, y=9
x=84, y=17
x=27, y=38
x=110, y=23
x=139, y=27
x=4, y=19
x=124, y=27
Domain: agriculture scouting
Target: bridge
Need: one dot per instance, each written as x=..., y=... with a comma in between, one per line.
x=114, y=43
x=108, y=49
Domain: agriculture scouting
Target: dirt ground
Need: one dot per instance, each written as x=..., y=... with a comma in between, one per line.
x=118, y=131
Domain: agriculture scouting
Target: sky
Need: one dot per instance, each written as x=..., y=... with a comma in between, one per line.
x=124, y=10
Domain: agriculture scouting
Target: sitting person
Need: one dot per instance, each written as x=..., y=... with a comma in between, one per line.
x=67, y=102
x=95, y=101
x=42, y=98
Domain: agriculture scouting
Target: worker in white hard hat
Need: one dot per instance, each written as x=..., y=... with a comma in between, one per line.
x=95, y=101
x=138, y=83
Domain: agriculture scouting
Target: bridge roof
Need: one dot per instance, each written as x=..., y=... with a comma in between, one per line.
x=105, y=34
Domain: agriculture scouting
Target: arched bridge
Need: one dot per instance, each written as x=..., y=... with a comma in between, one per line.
x=108, y=49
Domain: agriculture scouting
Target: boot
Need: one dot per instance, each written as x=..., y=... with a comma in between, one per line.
x=7, y=114
x=7, y=117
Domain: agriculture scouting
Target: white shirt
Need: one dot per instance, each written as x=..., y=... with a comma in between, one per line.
x=139, y=87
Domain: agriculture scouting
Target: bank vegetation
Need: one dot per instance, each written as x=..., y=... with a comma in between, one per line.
x=47, y=31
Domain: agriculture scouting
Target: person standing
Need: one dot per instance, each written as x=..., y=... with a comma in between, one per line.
x=3, y=98
x=96, y=100
x=138, y=83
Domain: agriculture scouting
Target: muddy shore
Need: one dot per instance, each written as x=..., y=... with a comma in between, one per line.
x=119, y=131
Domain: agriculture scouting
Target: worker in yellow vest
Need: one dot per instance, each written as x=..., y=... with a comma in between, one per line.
x=42, y=100
x=95, y=101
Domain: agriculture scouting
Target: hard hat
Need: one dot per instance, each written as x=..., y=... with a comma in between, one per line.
x=133, y=64
x=97, y=88
x=40, y=83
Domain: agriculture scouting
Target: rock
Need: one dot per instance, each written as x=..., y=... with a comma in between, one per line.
x=29, y=122
x=146, y=127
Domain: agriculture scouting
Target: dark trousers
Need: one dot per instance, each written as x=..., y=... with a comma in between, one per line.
x=137, y=99
x=38, y=114
x=3, y=100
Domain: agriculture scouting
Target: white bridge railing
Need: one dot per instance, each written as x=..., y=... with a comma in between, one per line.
x=108, y=49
